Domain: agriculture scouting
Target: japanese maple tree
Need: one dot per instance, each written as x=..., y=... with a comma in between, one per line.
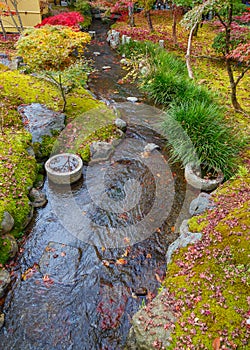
x=68, y=19
x=231, y=35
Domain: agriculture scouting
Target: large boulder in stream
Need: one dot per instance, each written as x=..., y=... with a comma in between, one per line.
x=40, y=120
x=152, y=325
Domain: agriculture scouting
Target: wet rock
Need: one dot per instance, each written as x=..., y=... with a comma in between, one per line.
x=38, y=198
x=186, y=237
x=101, y=151
x=201, y=204
x=145, y=330
x=150, y=147
x=13, y=245
x=4, y=281
x=132, y=99
x=96, y=53
x=7, y=223
x=60, y=262
x=142, y=291
x=1, y=320
x=121, y=124
x=29, y=217
x=113, y=38
x=40, y=120
x=106, y=67
x=31, y=151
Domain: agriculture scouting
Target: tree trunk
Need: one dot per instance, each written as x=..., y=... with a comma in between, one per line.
x=13, y=18
x=149, y=20
x=131, y=14
x=174, y=24
x=3, y=29
x=188, y=54
x=233, y=86
x=15, y=3
x=62, y=92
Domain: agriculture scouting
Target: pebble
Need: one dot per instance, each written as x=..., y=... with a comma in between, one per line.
x=141, y=291
x=106, y=67
x=96, y=53
x=132, y=99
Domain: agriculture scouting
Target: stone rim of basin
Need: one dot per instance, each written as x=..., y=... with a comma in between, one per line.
x=64, y=177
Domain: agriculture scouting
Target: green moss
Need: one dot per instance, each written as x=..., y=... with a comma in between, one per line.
x=17, y=174
x=20, y=88
x=195, y=224
x=5, y=247
x=211, y=278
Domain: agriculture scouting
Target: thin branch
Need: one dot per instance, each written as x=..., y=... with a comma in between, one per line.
x=221, y=20
x=241, y=75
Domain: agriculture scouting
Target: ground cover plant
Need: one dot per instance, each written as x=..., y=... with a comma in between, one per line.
x=210, y=279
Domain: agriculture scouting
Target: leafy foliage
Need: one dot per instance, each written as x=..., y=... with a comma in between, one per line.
x=68, y=19
x=57, y=47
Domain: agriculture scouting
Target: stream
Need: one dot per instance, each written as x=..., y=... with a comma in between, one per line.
x=86, y=268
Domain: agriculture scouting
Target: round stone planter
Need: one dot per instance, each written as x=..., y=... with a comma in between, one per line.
x=193, y=179
x=65, y=168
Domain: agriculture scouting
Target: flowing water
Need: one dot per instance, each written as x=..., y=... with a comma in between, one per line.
x=85, y=270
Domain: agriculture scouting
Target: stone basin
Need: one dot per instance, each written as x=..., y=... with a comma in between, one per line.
x=65, y=168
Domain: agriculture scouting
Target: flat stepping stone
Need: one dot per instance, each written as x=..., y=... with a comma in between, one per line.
x=60, y=262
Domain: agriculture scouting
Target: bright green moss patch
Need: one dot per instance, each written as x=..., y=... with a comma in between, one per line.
x=17, y=173
x=21, y=88
x=210, y=279
x=5, y=247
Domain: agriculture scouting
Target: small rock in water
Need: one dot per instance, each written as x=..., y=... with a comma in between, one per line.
x=38, y=198
x=4, y=281
x=121, y=124
x=132, y=99
x=141, y=291
x=150, y=147
x=96, y=53
x=106, y=67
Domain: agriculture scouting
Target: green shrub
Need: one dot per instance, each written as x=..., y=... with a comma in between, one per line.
x=83, y=7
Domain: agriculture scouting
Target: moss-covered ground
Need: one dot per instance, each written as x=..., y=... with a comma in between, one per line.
x=210, y=279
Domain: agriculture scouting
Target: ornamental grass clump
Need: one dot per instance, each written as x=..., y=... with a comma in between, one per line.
x=216, y=147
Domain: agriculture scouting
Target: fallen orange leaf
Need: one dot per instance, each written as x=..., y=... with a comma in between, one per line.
x=121, y=262
x=216, y=344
